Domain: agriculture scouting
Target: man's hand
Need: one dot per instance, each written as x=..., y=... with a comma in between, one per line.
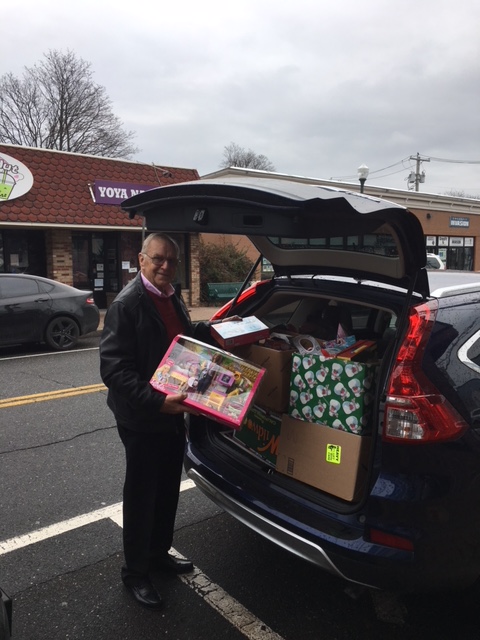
x=227, y=319
x=174, y=404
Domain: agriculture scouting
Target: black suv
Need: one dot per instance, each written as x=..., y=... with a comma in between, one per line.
x=413, y=522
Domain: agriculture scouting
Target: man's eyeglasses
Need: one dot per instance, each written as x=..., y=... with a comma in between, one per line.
x=158, y=261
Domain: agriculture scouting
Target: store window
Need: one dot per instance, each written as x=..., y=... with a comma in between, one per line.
x=457, y=252
x=88, y=263
x=22, y=252
x=460, y=258
x=80, y=260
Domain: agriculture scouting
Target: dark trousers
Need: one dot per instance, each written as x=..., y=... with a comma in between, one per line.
x=154, y=463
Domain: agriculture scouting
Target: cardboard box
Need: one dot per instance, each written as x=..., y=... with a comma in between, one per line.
x=274, y=391
x=217, y=383
x=334, y=461
x=260, y=431
x=332, y=391
x=238, y=332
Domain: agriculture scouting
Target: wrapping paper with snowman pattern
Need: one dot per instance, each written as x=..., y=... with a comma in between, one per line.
x=331, y=391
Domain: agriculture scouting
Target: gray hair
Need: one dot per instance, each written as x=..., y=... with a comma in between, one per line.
x=160, y=236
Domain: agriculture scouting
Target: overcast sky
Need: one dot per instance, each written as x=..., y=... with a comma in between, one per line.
x=318, y=87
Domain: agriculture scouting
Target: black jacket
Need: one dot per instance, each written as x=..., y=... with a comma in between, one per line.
x=133, y=342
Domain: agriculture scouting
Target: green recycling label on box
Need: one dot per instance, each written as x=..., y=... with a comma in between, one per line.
x=334, y=392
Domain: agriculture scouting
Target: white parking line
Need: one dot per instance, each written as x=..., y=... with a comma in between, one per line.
x=113, y=511
x=229, y=608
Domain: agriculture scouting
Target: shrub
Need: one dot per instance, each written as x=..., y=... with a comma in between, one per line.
x=222, y=262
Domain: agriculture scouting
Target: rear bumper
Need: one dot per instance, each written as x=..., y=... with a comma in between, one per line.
x=326, y=539
x=284, y=538
x=91, y=319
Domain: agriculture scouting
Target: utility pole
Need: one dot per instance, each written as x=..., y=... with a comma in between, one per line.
x=417, y=177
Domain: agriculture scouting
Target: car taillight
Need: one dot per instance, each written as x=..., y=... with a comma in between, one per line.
x=415, y=410
x=390, y=540
x=90, y=300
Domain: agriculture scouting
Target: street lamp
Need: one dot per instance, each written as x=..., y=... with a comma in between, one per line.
x=362, y=175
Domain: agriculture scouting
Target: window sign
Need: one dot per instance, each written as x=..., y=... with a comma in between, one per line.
x=443, y=241
x=469, y=242
x=266, y=266
x=431, y=241
x=456, y=242
x=456, y=221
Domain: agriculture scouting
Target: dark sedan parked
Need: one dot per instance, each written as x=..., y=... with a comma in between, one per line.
x=35, y=309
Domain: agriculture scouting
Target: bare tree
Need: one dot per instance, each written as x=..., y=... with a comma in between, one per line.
x=461, y=194
x=58, y=106
x=236, y=156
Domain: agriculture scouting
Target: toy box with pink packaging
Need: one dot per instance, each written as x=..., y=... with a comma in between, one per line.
x=217, y=383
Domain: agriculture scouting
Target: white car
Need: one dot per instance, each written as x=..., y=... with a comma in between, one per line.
x=434, y=261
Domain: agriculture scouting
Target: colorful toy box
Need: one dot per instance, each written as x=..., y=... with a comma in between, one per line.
x=217, y=383
x=238, y=332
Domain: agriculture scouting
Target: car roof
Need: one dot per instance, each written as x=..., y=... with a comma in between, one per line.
x=449, y=282
x=299, y=228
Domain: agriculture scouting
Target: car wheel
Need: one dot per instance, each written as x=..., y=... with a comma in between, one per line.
x=62, y=333
x=5, y=616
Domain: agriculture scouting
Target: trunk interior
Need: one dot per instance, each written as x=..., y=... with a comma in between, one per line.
x=321, y=309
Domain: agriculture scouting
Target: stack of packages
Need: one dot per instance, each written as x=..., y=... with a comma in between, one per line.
x=312, y=413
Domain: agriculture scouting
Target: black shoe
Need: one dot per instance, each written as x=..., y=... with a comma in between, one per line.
x=143, y=591
x=172, y=564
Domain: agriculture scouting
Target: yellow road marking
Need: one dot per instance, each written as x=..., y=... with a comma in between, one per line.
x=51, y=395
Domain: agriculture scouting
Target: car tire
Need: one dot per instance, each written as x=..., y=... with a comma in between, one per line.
x=62, y=333
x=5, y=616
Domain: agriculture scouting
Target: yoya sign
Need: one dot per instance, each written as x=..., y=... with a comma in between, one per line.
x=108, y=192
x=15, y=179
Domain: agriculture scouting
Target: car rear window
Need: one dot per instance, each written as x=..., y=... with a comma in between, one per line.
x=46, y=287
x=15, y=287
x=378, y=242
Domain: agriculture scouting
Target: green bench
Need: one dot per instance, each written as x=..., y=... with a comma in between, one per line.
x=222, y=291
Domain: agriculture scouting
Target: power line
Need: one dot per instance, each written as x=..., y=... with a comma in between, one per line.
x=353, y=177
x=455, y=161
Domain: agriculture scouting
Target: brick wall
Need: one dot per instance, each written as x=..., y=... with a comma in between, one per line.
x=193, y=298
x=59, y=255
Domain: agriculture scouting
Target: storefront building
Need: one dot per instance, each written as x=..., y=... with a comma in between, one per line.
x=60, y=217
x=451, y=225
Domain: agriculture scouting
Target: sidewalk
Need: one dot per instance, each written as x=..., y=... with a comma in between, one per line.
x=196, y=313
